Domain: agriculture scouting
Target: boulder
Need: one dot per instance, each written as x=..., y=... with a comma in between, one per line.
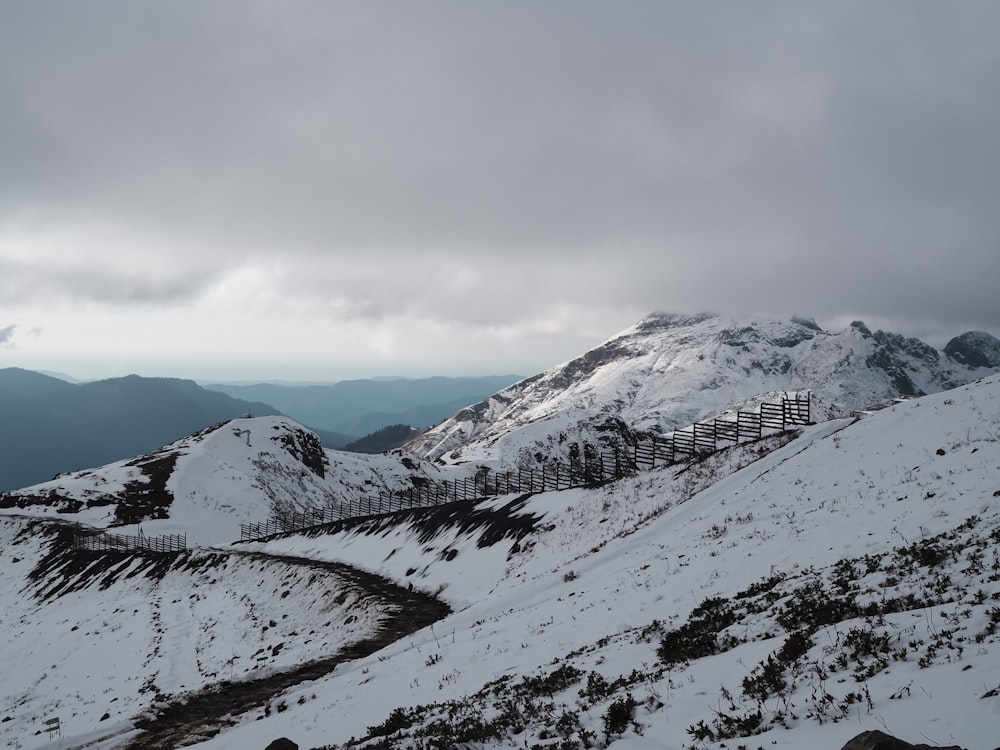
x=282, y=743
x=875, y=740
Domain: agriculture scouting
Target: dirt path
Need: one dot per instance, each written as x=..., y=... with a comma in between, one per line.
x=203, y=714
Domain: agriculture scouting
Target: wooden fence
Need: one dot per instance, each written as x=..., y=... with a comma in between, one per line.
x=284, y=522
x=102, y=541
x=592, y=469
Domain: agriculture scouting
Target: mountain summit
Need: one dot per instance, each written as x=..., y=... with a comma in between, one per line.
x=668, y=371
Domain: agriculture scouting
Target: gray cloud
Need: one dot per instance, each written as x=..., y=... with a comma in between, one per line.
x=494, y=162
x=6, y=334
x=71, y=281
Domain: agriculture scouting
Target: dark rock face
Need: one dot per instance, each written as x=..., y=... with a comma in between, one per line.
x=876, y=740
x=149, y=499
x=791, y=337
x=895, y=355
x=475, y=412
x=579, y=368
x=901, y=381
x=282, y=743
x=140, y=500
x=305, y=447
x=664, y=321
x=974, y=349
x=909, y=346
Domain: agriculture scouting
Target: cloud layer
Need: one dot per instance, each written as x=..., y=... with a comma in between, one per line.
x=496, y=177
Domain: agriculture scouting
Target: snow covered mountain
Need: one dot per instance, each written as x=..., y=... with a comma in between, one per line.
x=784, y=594
x=205, y=485
x=669, y=371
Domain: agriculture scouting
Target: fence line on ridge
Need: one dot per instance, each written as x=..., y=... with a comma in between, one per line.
x=592, y=469
x=103, y=541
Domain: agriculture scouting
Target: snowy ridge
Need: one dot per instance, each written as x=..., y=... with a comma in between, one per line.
x=207, y=484
x=669, y=371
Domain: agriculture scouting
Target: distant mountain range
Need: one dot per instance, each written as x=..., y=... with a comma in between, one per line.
x=52, y=426
x=360, y=407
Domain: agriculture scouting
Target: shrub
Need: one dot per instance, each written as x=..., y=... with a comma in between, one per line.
x=552, y=683
x=398, y=719
x=619, y=715
x=698, y=636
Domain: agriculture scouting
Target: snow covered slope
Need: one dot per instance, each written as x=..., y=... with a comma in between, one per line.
x=207, y=484
x=785, y=593
x=793, y=597
x=98, y=640
x=669, y=371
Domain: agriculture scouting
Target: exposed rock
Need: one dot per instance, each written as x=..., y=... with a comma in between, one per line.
x=875, y=740
x=859, y=325
x=897, y=356
x=282, y=743
x=974, y=349
x=304, y=446
x=784, y=337
x=901, y=381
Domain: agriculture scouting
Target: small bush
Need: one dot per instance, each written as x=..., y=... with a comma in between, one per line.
x=552, y=683
x=697, y=637
x=619, y=715
x=398, y=719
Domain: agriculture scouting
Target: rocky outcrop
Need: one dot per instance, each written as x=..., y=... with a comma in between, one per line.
x=875, y=740
x=974, y=349
x=304, y=446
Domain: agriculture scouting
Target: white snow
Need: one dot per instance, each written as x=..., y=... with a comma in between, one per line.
x=602, y=565
x=239, y=472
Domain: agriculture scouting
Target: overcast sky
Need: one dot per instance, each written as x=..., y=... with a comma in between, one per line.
x=321, y=190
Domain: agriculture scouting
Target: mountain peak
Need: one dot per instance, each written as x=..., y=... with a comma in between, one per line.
x=859, y=325
x=670, y=370
x=975, y=349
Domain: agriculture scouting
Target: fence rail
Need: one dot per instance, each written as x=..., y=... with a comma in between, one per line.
x=592, y=469
x=104, y=542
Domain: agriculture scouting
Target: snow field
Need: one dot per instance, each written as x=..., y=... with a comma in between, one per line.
x=844, y=489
